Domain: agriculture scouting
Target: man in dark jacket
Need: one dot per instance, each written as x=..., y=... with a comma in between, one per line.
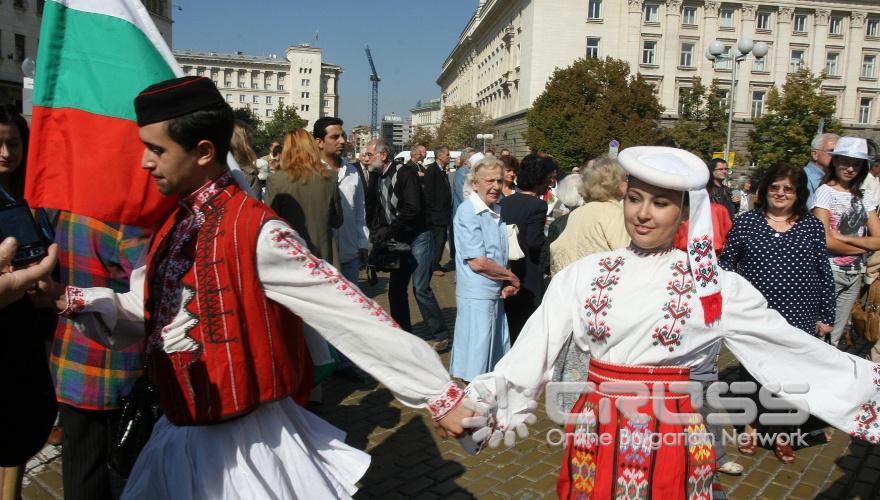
x=399, y=215
x=438, y=202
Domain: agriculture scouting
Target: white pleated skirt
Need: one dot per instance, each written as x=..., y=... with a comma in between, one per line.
x=278, y=451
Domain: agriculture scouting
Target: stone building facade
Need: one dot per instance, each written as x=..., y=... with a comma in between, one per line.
x=264, y=83
x=509, y=50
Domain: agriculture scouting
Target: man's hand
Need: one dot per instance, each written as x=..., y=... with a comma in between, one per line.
x=450, y=425
x=14, y=283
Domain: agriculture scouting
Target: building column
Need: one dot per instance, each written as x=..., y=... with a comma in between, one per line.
x=670, y=47
x=634, y=33
x=710, y=20
x=820, y=40
x=852, y=61
x=782, y=53
x=743, y=102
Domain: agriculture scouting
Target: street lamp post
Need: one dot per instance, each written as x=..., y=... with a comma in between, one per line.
x=27, y=92
x=484, y=137
x=738, y=53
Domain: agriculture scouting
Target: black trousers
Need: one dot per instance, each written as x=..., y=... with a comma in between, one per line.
x=439, y=244
x=451, y=245
x=88, y=437
x=519, y=309
x=398, y=295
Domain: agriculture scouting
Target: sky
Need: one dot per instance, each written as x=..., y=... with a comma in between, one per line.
x=409, y=40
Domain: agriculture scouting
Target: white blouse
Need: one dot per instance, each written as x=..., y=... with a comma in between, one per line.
x=632, y=309
x=313, y=290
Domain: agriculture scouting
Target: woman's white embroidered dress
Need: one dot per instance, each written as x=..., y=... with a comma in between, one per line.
x=279, y=450
x=642, y=309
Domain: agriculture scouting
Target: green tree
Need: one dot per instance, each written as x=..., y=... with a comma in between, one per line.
x=424, y=136
x=283, y=120
x=460, y=126
x=702, y=124
x=587, y=105
x=790, y=120
x=248, y=116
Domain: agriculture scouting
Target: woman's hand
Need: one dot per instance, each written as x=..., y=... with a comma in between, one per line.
x=822, y=329
x=14, y=283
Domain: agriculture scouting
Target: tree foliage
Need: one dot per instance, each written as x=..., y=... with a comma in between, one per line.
x=461, y=124
x=424, y=136
x=588, y=104
x=283, y=120
x=791, y=120
x=702, y=124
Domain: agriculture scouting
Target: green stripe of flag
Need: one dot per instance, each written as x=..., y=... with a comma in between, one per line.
x=94, y=62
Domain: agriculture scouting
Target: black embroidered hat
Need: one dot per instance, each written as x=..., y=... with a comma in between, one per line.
x=176, y=97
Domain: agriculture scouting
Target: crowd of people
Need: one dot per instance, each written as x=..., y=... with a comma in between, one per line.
x=241, y=302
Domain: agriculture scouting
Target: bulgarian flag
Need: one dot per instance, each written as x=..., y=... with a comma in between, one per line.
x=94, y=57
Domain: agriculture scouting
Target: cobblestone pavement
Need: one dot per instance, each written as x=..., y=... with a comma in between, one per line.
x=410, y=461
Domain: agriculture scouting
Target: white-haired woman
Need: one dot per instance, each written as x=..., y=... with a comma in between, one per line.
x=482, y=278
x=648, y=314
x=569, y=194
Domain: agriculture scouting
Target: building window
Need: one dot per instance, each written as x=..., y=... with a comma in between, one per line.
x=763, y=21
x=228, y=97
x=304, y=95
x=868, y=64
x=758, y=103
x=865, y=109
x=594, y=9
x=592, y=48
x=268, y=99
x=255, y=85
x=649, y=52
x=797, y=60
x=304, y=82
x=872, y=29
x=325, y=103
x=725, y=18
x=760, y=64
x=268, y=113
x=687, y=55
x=652, y=13
x=689, y=16
x=724, y=98
x=831, y=63
x=683, y=94
x=241, y=84
x=241, y=98
x=800, y=23
x=256, y=99
x=228, y=83
x=724, y=62
x=280, y=86
x=280, y=101
x=257, y=111
x=835, y=26
x=19, y=48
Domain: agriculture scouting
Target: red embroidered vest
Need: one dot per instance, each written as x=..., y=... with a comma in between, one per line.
x=252, y=350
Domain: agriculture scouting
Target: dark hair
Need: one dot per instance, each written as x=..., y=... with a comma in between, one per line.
x=797, y=177
x=856, y=184
x=510, y=163
x=214, y=124
x=712, y=165
x=10, y=116
x=319, y=130
x=534, y=170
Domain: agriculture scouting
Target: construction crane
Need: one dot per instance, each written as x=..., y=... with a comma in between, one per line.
x=374, y=115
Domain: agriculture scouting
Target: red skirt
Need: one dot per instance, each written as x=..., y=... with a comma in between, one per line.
x=628, y=452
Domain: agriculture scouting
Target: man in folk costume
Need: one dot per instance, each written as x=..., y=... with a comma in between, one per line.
x=648, y=314
x=222, y=299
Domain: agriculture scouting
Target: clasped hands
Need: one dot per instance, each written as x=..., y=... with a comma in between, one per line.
x=15, y=283
x=476, y=415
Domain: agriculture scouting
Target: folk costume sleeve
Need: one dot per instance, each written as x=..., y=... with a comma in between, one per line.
x=115, y=320
x=520, y=376
x=354, y=324
x=841, y=389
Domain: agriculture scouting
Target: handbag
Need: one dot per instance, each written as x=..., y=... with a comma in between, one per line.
x=140, y=412
x=866, y=313
x=514, y=251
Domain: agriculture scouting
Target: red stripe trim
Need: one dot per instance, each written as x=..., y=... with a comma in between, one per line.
x=90, y=165
x=181, y=84
x=628, y=372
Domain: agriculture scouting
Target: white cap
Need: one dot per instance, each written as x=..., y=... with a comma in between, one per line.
x=475, y=158
x=669, y=168
x=853, y=147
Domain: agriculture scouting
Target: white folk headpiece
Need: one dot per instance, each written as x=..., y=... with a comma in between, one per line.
x=680, y=170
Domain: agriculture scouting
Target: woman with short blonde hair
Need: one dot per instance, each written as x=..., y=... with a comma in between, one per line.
x=602, y=181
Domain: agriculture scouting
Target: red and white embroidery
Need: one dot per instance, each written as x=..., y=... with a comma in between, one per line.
x=867, y=423
x=288, y=240
x=600, y=301
x=448, y=401
x=706, y=271
x=76, y=301
x=677, y=310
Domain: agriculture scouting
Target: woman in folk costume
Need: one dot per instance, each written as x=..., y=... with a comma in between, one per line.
x=648, y=313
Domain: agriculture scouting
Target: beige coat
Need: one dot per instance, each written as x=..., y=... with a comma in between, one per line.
x=594, y=227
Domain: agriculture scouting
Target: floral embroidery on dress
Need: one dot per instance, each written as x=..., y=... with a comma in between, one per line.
x=876, y=371
x=600, y=301
x=450, y=399
x=701, y=253
x=702, y=462
x=867, y=424
x=76, y=301
x=287, y=239
x=677, y=310
x=586, y=448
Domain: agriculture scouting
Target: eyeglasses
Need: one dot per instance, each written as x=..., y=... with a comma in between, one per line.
x=776, y=188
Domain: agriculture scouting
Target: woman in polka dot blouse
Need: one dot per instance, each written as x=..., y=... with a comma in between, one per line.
x=780, y=248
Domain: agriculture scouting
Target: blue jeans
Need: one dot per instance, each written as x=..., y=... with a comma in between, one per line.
x=423, y=253
x=350, y=270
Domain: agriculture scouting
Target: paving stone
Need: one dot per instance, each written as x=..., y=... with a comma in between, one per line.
x=803, y=490
x=774, y=490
